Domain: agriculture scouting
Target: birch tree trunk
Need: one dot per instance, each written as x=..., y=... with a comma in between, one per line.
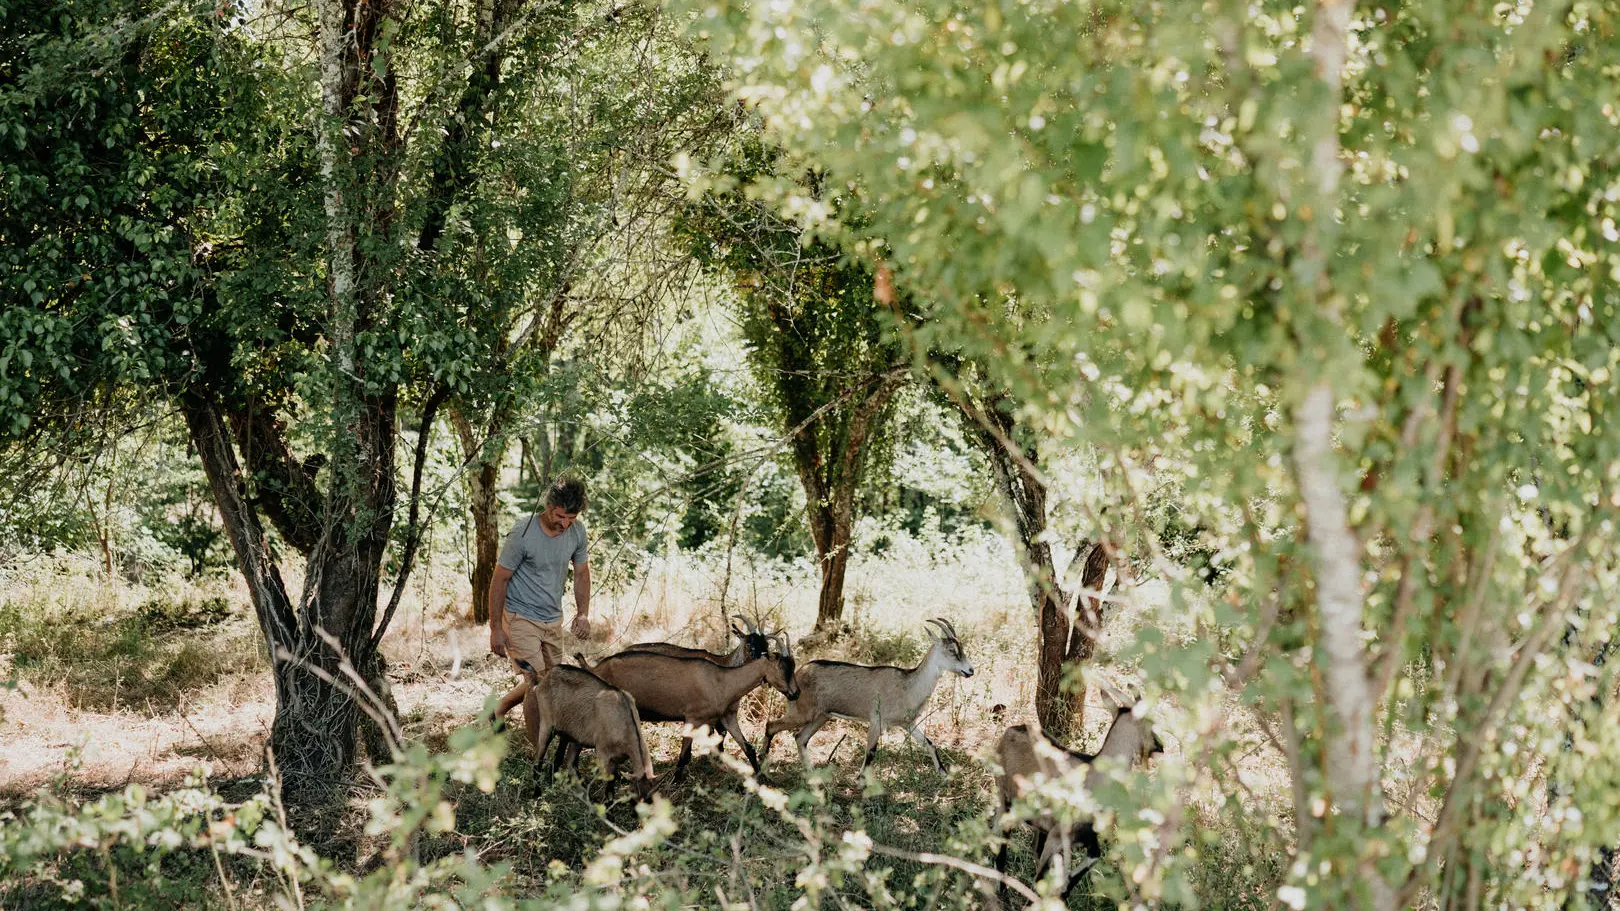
x=1352, y=773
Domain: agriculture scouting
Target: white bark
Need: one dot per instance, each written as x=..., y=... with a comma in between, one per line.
x=1335, y=553
x=330, y=145
x=1337, y=570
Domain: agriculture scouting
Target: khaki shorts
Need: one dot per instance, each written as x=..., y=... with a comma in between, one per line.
x=540, y=644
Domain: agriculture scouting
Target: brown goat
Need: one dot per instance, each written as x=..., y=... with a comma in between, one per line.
x=579, y=707
x=1024, y=766
x=696, y=691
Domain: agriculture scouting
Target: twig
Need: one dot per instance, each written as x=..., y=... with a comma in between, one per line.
x=1471, y=743
x=957, y=863
x=209, y=746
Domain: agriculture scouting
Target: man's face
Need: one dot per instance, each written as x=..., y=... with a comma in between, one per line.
x=558, y=518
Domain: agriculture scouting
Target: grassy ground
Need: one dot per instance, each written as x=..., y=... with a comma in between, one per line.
x=119, y=683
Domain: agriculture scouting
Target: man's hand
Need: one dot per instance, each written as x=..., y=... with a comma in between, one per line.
x=581, y=626
x=498, y=641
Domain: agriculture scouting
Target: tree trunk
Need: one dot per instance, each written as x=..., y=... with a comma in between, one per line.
x=830, y=484
x=314, y=733
x=1092, y=559
x=834, y=565
x=484, y=503
x=313, y=736
x=1059, y=709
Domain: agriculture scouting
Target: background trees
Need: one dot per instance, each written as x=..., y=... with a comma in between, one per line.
x=818, y=339
x=1326, y=307
x=1325, y=295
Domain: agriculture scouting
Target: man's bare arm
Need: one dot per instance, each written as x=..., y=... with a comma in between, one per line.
x=497, y=610
x=582, y=600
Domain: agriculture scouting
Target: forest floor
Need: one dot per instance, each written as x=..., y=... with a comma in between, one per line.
x=119, y=682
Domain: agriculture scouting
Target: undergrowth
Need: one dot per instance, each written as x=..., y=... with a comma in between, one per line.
x=156, y=655
x=472, y=826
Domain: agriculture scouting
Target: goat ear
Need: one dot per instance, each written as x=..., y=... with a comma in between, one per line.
x=1112, y=696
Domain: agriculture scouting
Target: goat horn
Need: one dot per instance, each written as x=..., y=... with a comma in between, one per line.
x=947, y=627
x=937, y=630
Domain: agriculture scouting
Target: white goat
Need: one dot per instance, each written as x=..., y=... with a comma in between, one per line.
x=884, y=697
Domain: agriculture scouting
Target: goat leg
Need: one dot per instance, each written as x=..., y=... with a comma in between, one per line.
x=933, y=751
x=1001, y=854
x=1086, y=836
x=873, y=732
x=728, y=722
x=531, y=715
x=542, y=740
x=564, y=742
x=570, y=761
x=686, y=757
x=1042, y=846
x=772, y=728
x=803, y=738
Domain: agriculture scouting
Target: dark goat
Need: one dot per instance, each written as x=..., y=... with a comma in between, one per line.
x=752, y=646
x=696, y=691
x=1024, y=766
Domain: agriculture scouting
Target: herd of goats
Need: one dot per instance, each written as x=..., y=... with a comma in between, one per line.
x=602, y=705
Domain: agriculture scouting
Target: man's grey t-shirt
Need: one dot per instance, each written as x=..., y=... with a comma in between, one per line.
x=539, y=565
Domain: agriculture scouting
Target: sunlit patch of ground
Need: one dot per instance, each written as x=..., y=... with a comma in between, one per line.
x=443, y=675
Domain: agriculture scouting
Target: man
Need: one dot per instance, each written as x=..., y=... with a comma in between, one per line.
x=525, y=595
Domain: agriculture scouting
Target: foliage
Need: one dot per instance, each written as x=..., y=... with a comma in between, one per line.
x=139, y=498
x=816, y=339
x=816, y=839
x=104, y=220
x=155, y=656
x=1135, y=217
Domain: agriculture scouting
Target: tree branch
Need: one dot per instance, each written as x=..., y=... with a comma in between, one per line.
x=424, y=434
x=284, y=487
x=211, y=438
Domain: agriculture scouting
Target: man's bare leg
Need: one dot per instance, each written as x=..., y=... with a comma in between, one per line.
x=511, y=699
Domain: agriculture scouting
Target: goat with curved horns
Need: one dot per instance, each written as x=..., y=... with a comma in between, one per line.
x=884, y=697
x=753, y=645
x=695, y=690
x=1029, y=757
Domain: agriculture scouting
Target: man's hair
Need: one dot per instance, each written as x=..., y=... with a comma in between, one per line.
x=568, y=492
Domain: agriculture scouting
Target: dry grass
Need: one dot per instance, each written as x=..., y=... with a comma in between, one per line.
x=121, y=682
x=148, y=694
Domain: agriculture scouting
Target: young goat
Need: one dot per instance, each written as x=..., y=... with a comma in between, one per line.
x=584, y=710
x=753, y=645
x=696, y=691
x=884, y=697
x=1025, y=765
